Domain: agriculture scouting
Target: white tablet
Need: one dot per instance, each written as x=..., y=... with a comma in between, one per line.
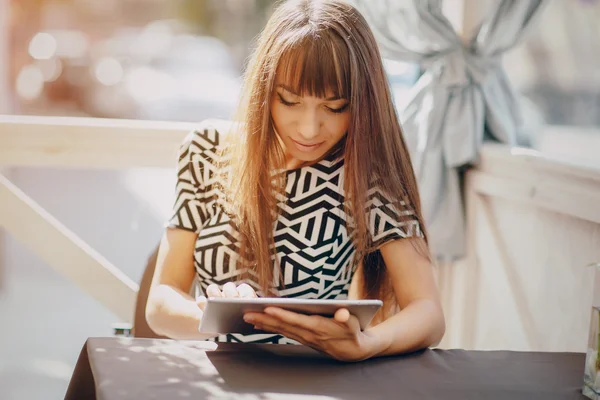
x=226, y=314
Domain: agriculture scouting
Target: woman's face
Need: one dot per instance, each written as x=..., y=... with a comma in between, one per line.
x=307, y=126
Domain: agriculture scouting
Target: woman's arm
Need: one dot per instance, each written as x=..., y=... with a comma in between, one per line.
x=170, y=310
x=420, y=323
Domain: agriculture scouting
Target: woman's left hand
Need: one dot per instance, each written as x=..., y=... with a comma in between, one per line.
x=340, y=336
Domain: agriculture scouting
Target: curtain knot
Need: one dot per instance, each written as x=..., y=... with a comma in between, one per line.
x=462, y=67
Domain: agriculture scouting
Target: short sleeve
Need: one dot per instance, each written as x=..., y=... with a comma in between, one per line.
x=390, y=219
x=194, y=169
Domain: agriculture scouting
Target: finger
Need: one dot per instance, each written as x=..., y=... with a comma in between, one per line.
x=201, y=302
x=230, y=290
x=342, y=315
x=213, y=291
x=353, y=324
x=246, y=290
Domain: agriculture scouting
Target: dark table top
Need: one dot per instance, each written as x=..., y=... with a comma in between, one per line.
x=124, y=368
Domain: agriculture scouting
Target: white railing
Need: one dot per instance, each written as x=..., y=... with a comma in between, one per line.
x=84, y=143
x=533, y=225
x=63, y=250
x=78, y=143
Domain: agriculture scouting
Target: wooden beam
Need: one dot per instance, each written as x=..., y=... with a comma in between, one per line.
x=524, y=163
x=89, y=142
x=552, y=193
x=65, y=252
x=93, y=143
x=530, y=177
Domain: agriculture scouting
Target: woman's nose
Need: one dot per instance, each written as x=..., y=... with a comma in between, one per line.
x=309, y=125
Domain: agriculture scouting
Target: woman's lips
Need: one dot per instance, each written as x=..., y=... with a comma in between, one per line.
x=307, y=148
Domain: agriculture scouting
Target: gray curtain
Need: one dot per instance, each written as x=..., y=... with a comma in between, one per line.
x=462, y=96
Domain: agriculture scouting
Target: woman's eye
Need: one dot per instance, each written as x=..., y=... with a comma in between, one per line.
x=338, y=110
x=284, y=102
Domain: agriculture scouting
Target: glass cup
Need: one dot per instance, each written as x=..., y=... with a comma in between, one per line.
x=591, y=377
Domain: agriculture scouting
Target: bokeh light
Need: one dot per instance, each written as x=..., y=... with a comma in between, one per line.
x=30, y=82
x=109, y=71
x=43, y=46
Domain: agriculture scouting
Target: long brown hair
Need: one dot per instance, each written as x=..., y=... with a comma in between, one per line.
x=318, y=46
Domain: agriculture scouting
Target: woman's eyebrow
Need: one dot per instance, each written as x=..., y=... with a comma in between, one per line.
x=289, y=89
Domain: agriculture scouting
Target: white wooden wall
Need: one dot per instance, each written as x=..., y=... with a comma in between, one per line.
x=534, y=231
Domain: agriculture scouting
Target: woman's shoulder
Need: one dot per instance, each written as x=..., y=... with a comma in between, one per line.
x=208, y=136
x=201, y=151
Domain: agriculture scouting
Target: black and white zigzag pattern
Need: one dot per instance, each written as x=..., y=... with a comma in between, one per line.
x=312, y=243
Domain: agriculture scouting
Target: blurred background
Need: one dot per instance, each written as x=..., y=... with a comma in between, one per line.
x=181, y=60
x=140, y=59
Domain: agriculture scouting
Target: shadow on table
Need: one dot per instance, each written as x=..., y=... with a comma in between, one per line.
x=297, y=370
x=162, y=369
x=261, y=370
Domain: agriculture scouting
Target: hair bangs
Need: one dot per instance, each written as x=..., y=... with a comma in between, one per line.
x=317, y=66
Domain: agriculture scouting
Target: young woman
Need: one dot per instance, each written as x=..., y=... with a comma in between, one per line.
x=311, y=194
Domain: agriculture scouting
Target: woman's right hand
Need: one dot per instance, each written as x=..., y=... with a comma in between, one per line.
x=229, y=290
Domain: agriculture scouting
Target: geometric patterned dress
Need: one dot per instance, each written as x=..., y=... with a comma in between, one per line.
x=313, y=248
